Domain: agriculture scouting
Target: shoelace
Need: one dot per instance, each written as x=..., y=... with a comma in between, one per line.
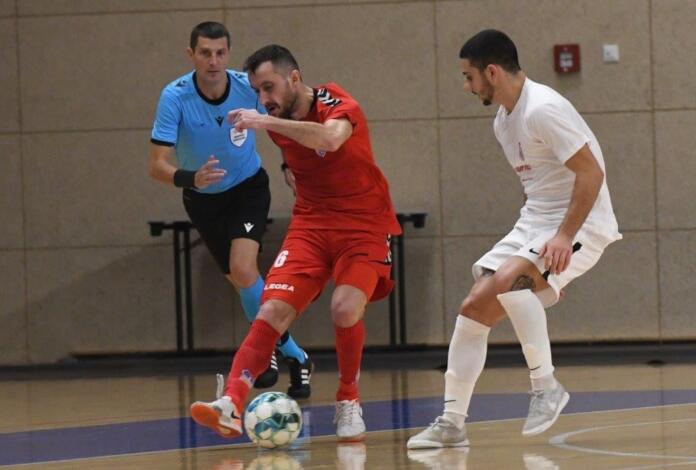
x=345, y=412
x=442, y=422
x=537, y=400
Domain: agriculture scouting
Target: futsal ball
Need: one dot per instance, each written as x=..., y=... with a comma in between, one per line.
x=273, y=419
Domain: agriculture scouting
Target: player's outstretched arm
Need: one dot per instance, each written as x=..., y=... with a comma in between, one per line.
x=328, y=136
x=588, y=181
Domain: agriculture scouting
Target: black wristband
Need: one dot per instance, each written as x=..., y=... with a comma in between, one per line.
x=185, y=179
x=283, y=166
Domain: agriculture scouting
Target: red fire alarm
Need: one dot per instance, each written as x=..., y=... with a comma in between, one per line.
x=566, y=58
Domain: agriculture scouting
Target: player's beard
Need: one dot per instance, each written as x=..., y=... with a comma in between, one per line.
x=486, y=93
x=288, y=105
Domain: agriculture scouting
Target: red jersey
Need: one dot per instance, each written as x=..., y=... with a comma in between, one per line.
x=343, y=189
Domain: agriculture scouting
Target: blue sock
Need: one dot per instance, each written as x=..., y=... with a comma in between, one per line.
x=289, y=348
x=251, y=299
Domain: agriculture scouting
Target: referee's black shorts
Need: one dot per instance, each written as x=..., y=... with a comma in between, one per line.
x=239, y=212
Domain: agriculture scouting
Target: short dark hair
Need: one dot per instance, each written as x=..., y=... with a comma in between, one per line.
x=278, y=55
x=210, y=30
x=491, y=46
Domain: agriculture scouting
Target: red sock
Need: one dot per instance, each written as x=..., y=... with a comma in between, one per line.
x=349, y=347
x=251, y=359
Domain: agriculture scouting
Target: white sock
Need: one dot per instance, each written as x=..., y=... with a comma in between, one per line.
x=529, y=320
x=465, y=360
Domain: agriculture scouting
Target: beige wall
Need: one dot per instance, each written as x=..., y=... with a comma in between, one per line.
x=79, y=80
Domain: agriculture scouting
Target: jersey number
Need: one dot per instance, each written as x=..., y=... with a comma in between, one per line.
x=280, y=260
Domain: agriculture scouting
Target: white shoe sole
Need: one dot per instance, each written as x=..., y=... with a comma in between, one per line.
x=543, y=427
x=435, y=445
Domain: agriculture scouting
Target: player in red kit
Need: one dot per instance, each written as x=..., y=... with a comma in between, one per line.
x=340, y=229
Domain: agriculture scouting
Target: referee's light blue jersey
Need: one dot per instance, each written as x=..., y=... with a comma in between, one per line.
x=197, y=128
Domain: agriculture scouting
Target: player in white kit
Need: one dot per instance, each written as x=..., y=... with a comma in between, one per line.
x=566, y=223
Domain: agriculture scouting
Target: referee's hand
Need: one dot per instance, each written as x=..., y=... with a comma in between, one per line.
x=208, y=174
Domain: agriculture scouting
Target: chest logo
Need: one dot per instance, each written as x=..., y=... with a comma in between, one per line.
x=321, y=153
x=219, y=120
x=238, y=137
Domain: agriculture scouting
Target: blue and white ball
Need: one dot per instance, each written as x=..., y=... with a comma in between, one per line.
x=273, y=419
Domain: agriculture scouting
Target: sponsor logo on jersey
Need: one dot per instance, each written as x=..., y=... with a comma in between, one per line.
x=278, y=286
x=219, y=120
x=248, y=226
x=321, y=153
x=238, y=137
x=180, y=83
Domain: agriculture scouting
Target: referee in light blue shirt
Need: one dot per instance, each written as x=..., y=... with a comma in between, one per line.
x=225, y=189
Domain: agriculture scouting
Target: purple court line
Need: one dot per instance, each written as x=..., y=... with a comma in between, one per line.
x=182, y=433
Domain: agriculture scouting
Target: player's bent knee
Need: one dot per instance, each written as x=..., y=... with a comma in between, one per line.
x=480, y=308
x=277, y=314
x=472, y=306
x=242, y=276
x=346, y=314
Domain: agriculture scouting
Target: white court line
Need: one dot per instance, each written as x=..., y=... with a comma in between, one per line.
x=662, y=465
x=560, y=441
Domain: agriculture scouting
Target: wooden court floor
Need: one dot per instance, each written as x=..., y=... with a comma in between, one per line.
x=619, y=417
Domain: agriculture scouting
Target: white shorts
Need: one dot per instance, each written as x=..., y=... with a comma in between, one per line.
x=526, y=240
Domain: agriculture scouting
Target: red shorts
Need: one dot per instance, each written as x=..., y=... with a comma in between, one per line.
x=309, y=258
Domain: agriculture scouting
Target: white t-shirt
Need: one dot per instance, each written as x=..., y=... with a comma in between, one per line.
x=540, y=134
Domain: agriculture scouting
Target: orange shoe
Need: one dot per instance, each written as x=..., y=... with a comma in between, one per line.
x=221, y=415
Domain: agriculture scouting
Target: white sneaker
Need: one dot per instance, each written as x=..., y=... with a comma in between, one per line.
x=221, y=415
x=441, y=433
x=453, y=458
x=544, y=408
x=349, y=422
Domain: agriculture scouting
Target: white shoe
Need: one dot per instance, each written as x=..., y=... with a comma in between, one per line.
x=453, y=458
x=221, y=415
x=544, y=408
x=441, y=433
x=349, y=422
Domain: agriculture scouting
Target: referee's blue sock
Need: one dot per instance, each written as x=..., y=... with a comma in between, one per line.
x=251, y=299
x=290, y=349
x=251, y=303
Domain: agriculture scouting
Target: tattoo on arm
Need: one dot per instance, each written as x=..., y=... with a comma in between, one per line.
x=523, y=282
